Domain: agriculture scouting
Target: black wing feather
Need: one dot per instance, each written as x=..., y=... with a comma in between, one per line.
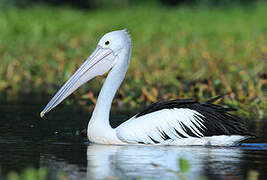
x=165, y=105
x=217, y=120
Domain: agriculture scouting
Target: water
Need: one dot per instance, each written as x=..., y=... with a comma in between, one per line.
x=55, y=144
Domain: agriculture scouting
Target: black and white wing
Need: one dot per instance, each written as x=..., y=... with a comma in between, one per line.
x=179, y=119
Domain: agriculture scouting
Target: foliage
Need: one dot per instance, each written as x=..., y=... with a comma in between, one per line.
x=184, y=165
x=178, y=52
x=33, y=174
x=28, y=174
x=91, y=4
x=42, y=174
x=209, y=3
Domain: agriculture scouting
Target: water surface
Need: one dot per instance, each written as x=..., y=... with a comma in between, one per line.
x=55, y=144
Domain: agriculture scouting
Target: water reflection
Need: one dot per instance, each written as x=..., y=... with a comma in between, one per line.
x=58, y=166
x=162, y=162
x=26, y=141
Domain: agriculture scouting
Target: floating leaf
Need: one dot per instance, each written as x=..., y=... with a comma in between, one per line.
x=184, y=165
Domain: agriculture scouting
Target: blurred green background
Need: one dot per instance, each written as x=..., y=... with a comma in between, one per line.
x=181, y=49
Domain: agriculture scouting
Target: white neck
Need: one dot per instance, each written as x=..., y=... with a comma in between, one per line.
x=99, y=129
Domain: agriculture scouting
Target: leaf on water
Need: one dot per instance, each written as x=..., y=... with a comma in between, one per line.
x=12, y=176
x=203, y=177
x=154, y=164
x=184, y=165
x=253, y=175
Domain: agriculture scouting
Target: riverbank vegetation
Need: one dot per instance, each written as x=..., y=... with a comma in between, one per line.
x=178, y=52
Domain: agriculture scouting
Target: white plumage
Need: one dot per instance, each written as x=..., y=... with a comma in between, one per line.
x=151, y=127
x=177, y=122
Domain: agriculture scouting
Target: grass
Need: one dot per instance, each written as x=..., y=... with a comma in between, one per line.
x=178, y=52
x=33, y=174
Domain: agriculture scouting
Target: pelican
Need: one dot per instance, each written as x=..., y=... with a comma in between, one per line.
x=176, y=122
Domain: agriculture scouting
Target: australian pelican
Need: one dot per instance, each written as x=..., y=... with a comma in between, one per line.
x=177, y=122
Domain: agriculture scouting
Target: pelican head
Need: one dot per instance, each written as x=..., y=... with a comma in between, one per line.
x=105, y=57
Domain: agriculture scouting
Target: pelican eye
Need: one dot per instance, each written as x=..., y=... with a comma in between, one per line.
x=107, y=43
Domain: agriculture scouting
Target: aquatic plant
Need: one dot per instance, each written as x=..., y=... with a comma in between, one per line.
x=178, y=52
x=33, y=174
x=28, y=174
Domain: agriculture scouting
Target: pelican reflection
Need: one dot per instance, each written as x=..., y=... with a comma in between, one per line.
x=162, y=162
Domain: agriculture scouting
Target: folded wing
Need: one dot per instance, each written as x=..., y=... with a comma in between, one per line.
x=177, y=119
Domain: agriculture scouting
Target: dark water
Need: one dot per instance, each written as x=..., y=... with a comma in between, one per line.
x=55, y=144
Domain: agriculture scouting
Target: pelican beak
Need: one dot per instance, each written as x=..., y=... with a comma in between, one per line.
x=100, y=61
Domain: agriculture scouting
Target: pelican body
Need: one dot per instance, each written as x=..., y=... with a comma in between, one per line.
x=176, y=122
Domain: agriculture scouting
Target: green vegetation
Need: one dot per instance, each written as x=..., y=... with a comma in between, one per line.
x=28, y=174
x=184, y=165
x=42, y=174
x=178, y=52
x=33, y=174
